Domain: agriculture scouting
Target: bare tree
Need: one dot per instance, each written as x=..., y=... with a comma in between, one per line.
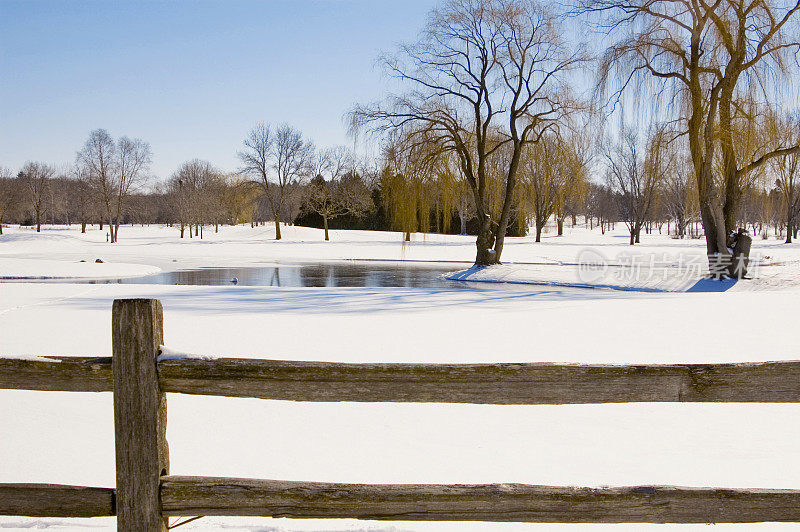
x=634, y=178
x=280, y=162
x=333, y=162
x=98, y=159
x=486, y=74
x=177, y=197
x=9, y=194
x=84, y=197
x=292, y=161
x=257, y=160
x=193, y=189
x=37, y=177
x=342, y=193
x=115, y=170
x=601, y=204
x=676, y=197
x=133, y=164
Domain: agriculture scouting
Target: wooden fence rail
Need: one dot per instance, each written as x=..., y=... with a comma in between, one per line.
x=518, y=384
x=145, y=494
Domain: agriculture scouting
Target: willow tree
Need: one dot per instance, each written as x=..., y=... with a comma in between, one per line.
x=481, y=70
x=542, y=177
x=407, y=182
x=787, y=173
x=705, y=57
x=553, y=171
x=577, y=152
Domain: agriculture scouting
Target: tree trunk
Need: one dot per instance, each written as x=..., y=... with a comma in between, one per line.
x=485, y=255
x=789, y=223
x=277, y=228
x=463, y=221
x=38, y=223
x=560, y=224
x=325, y=223
x=539, y=227
x=741, y=255
x=633, y=236
x=83, y=227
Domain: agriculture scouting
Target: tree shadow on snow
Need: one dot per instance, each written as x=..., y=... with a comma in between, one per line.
x=226, y=300
x=712, y=285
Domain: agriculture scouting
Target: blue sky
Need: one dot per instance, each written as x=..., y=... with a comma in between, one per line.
x=189, y=77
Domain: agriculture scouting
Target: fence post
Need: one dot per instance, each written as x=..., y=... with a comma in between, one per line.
x=140, y=414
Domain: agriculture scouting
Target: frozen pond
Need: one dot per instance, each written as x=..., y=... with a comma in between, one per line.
x=361, y=274
x=356, y=274
x=318, y=275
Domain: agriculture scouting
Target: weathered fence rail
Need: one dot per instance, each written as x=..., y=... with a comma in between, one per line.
x=145, y=494
x=510, y=384
x=55, y=500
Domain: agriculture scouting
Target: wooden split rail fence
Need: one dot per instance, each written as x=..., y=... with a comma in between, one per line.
x=145, y=493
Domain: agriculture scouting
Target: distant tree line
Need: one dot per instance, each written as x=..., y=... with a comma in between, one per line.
x=645, y=184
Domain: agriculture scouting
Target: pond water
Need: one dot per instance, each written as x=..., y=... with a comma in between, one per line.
x=320, y=275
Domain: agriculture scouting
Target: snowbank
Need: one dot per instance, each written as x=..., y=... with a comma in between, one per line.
x=659, y=279
x=12, y=268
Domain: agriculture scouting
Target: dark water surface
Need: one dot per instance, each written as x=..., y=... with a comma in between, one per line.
x=320, y=275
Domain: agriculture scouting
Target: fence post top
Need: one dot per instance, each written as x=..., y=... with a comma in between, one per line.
x=135, y=300
x=137, y=305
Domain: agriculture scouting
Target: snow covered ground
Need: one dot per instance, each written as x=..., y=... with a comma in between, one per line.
x=68, y=437
x=12, y=268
